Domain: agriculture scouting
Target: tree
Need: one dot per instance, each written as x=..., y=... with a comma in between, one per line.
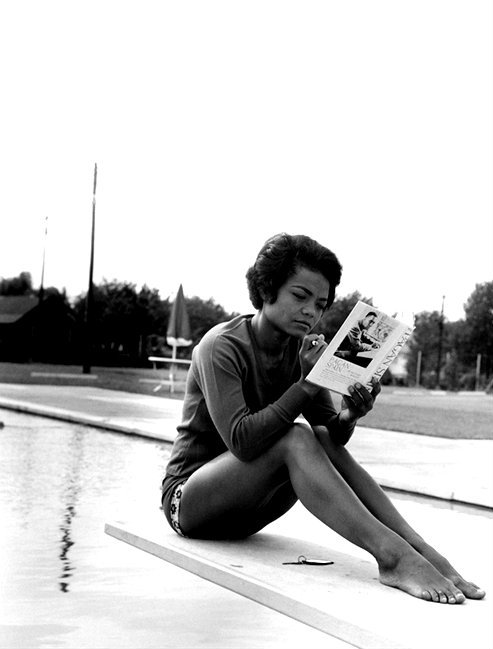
x=122, y=319
x=462, y=341
x=478, y=335
x=21, y=285
x=204, y=314
x=426, y=339
x=129, y=325
x=152, y=312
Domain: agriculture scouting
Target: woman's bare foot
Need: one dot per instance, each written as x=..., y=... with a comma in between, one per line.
x=414, y=574
x=470, y=590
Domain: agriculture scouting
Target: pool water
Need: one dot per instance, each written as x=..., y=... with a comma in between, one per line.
x=65, y=584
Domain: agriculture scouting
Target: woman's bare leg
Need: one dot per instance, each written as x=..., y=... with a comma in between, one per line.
x=378, y=503
x=227, y=485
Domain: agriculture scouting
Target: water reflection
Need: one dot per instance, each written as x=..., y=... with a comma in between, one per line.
x=72, y=477
x=67, y=543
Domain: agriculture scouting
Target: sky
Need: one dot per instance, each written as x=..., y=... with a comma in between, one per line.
x=214, y=125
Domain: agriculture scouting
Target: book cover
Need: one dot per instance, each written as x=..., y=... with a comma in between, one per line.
x=363, y=348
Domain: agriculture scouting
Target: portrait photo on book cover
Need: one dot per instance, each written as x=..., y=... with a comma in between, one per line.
x=365, y=337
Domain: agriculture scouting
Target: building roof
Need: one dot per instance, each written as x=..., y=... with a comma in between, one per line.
x=14, y=307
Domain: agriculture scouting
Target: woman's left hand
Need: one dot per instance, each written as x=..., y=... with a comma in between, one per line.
x=360, y=401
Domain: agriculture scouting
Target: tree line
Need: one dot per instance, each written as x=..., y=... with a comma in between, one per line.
x=128, y=324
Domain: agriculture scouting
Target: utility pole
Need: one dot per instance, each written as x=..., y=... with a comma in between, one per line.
x=418, y=368
x=86, y=368
x=38, y=333
x=478, y=372
x=440, y=342
x=41, y=287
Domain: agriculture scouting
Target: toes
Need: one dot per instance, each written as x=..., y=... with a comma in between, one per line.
x=470, y=589
x=439, y=596
x=459, y=598
x=473, y=591
x=435, y=596
x=455, y=597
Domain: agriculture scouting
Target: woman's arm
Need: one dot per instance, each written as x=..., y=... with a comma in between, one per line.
x=221, y=372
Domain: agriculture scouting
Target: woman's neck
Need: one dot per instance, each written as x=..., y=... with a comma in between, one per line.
x=270, y=340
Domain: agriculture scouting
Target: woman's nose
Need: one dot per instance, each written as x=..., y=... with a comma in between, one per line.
x=309, y=309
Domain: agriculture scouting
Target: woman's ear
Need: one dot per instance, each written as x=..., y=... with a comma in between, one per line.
x=263, y=295
x=267, y=297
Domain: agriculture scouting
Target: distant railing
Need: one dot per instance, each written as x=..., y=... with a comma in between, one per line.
x=173, y=365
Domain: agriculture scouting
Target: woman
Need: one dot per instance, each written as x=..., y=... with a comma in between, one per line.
x=241, y=459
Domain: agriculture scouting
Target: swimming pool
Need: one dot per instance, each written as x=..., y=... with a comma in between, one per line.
x=65, y=584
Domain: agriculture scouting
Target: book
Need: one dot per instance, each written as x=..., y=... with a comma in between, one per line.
x=368, y=341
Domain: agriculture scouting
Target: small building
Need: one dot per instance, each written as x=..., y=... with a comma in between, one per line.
x=34, y=330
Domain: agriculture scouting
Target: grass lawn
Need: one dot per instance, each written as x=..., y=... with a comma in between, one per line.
x=453, y=415
x=128, y=379
x=461, y=416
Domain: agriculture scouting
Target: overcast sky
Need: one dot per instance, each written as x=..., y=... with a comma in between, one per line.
x=366, y=125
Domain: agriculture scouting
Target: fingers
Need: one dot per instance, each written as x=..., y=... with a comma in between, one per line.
x=362, y=400
x=314, y=345
x=311, y=349
x=314, y=340
x=376, y=388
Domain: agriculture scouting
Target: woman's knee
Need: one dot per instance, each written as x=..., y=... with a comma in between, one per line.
x=300, y=438
x=336, y=452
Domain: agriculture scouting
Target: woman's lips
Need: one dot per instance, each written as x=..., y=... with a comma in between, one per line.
x=302, y=323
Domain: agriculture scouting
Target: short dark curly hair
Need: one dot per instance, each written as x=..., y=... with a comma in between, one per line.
x=279, y=259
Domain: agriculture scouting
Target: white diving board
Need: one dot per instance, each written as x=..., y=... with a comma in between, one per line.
x=344, y=600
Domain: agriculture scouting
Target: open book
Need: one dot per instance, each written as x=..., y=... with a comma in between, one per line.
x=363, y=348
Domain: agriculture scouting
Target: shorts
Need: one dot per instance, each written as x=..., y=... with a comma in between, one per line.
x=171, y=506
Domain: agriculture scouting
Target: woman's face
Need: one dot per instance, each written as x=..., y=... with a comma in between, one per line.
x=300, y=303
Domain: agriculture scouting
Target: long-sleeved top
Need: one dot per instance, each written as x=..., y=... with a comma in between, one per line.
x=231, y=402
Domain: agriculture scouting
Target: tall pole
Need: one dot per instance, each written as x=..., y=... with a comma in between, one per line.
x=41, y=287
x=418, y=368
x=86, y=368
x=440, y=342
x=478, y=372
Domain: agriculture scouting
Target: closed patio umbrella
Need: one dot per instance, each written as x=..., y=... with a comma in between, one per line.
x=178, y=333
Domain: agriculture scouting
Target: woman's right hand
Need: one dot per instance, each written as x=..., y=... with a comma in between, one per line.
x=311, y=349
